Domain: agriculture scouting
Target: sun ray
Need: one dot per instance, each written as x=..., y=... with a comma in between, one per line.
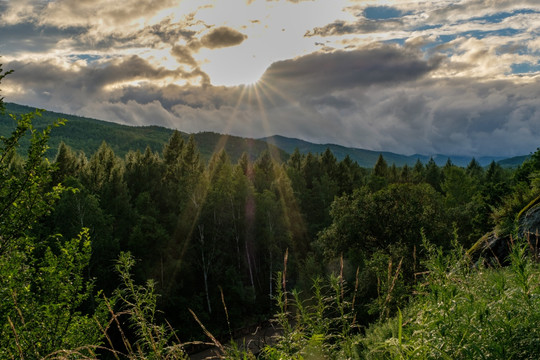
x=287, y=201
x=222, y=142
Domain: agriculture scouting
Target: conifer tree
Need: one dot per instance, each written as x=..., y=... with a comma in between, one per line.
x=433, y=174
x=381, y=167
x=405, y=174
x=418, y=172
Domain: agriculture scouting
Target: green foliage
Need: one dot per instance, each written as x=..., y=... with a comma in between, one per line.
x=464, y=313
x=25, y=194
x=317, y=327
x=86, y=135
x=42, y=291
x=367, y=221
x=42, y=279
x=138, y=303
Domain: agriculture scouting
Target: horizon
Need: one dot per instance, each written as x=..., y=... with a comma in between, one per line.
x=410, y=77
x=484, y=160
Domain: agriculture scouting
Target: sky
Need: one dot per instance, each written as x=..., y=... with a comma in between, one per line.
x=428, y=77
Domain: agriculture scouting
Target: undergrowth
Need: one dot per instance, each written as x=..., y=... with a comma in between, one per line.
x=459, y=311
x=465, y=312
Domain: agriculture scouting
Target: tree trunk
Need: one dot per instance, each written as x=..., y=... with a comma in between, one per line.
x=270, y=277
x=204, y=268
x=250, y=270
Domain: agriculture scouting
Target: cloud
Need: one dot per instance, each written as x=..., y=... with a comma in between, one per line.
x=110, y=14
x=410, y=77
x=416, y=114
x=362, y=26
x=25, y=37
x=79, y=82
x=183, y=55
x=326, y=72
x=222, y=37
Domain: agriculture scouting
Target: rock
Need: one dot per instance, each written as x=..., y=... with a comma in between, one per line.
x=529, y=223
x=494, y=249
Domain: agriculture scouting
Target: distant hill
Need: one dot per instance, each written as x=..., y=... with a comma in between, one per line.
x=364, y=158
x=513, y=161
x=368, y=158
x=85, y=134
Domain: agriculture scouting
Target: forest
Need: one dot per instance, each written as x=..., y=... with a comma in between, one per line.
x=147, y=255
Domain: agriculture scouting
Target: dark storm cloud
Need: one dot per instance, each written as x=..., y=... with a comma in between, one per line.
x=222, y=37
x=51, y=81
x=464, y=117
x=324, y=72
x=29, y=37
x=415, y=114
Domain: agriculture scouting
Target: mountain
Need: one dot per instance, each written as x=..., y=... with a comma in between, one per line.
x=86, y=134
x=513, y=161
x=364, y=158
x=368, y=158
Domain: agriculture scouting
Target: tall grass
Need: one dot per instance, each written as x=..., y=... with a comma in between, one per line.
x=462, y=312
x=459, y=311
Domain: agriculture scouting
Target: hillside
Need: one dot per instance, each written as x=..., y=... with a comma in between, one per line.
x=86, y=134
x=368, y=158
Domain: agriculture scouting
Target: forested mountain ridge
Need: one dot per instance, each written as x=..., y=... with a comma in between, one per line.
x=86, y=134
x=368, y=158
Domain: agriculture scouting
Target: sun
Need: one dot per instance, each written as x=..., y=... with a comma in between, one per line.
x=231, y=67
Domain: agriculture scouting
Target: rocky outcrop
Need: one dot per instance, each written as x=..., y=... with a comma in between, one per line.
x=494, y=248
x=529, y=223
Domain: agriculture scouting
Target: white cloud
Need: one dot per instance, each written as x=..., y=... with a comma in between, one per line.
x=436, y=78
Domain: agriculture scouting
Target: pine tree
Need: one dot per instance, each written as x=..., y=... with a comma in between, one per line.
x=405, y=174
x=433, y=174
x=418, y=173
x=381, y=167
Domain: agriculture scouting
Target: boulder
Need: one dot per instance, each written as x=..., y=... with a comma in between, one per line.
x=494, y=248
x=529, y=223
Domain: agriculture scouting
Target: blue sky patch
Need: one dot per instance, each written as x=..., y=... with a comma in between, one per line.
x=88, y=57
x=498, y=17
x=525, y=68
x=382, y=12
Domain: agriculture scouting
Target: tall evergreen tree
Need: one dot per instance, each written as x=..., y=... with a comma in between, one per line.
x=418, y=172
x=104, y=176
x=475, y=170
x=66, y=162
x=381, y=167
x=433, y=174
x=405, y=174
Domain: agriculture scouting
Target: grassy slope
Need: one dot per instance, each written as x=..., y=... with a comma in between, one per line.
x=462, y=312
x=458, y=311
